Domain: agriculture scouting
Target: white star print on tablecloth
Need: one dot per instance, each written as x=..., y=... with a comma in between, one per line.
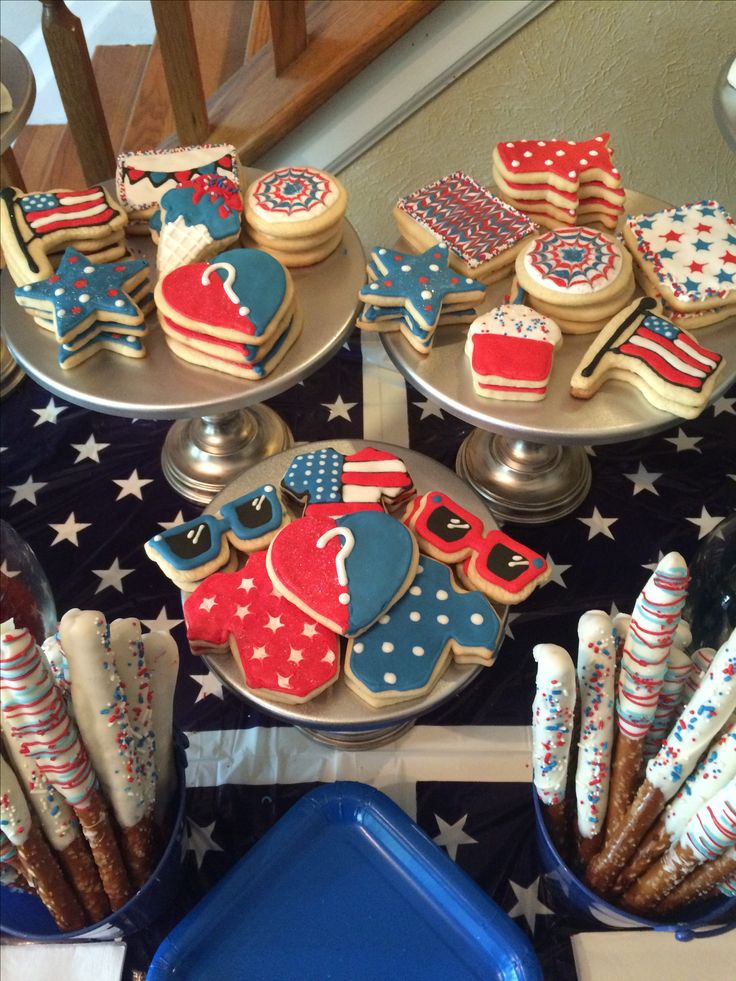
x=26, y=491
x=132, y=485
x=200, y=840
x=10, y=573
x=90, y=450
x=68, y=531
x=429, y=409
x=528, y=903
x=112, y=577
x=339, y=409
x=209, y=684
x=162, y=622
x=50, y=413
x=598, y=525
x=451, y=836
x=557, y=571
x=683, y=442
x=643, y=480
x=724, y=405
x=706, y=522
x=178, y=520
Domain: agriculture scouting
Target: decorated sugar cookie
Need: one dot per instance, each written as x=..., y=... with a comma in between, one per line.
x=283, y=653
x=325, y=481
x=403, y=655
x=282, y=200
x=510, y=350
x=344, y=572
x=491, y=562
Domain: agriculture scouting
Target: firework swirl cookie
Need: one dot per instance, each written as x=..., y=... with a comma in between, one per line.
x=196, y=220
x=35, y=228
x=482, y=233
x=296, y=214
x=283, y=653
x=344, y=572
x=664, y=363
x=560, y=182
x=331, y=483
x=418, y=285
x=510, y=349
x=493, y=563
x=142, y=179
x=404, y=654
x=577, y=276
x=237, y=313
x=687, y=257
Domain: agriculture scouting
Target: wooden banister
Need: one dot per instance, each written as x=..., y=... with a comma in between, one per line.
x=70, y=60
x=181, y=67
x=288, y=31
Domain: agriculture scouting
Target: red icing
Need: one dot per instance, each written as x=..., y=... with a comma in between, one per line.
x=297, y=658
x=184, y=292
x=571, y=161
x=507, y=355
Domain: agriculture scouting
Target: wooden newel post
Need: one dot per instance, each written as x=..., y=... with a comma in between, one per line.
x=181, y=67
x=70, y=60
x=288, y=31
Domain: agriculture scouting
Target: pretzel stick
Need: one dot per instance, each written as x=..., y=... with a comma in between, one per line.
x=39, y=865
x=34, y=710
x=11, y=867
x=698, y=723
x=700, y=883
x=162, y=660
x=678, y=669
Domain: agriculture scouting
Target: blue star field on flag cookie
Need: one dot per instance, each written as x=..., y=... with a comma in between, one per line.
x=420, y=283
x=80, y=292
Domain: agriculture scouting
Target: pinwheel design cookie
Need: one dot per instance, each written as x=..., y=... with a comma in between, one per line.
x=283, y=653
x=577, y=276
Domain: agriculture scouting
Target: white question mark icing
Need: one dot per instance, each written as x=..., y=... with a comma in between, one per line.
x=227, y=284
x=345, y=550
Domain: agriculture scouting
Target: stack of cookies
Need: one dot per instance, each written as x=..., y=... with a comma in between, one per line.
x=560, y=182
x=482, y=233
x=415, y=294
x=686, y=259
x=577, y=276
x=37, y=227
x=237, y=313
x=91, y=307
x=295, y=214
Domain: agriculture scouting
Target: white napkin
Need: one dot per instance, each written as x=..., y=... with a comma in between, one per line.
x=643, y=955
x=72, y=962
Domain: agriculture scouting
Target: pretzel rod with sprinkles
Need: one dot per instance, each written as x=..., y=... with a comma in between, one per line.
x=34, y=712
x=162, y=662
x=678, y=670
x=11, y=867
x=701, y=882
x=38, y=863
x=713, y=704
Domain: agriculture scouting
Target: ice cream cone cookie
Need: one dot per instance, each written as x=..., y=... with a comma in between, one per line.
x=702, y=881
x=687, y=254
x=553, y=717
x=482, y=232
x=643, y=665
x=162, y=663
x=596, y=670
x=35, y=710
x=700, y=720
x=715, y=770
x=707, y=835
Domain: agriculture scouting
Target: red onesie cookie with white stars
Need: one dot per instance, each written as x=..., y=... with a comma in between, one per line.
x=560, y=182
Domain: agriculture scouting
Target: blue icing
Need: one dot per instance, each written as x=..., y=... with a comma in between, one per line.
x=317, y=475
x=179, y=202
x=254, y=514
x=95, y=337
x=381, y=543
x=259, y=281
x=401, y=651
x=191, y=544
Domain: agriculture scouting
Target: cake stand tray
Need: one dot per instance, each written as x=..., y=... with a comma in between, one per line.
x=337, y=716
x=224, y=428
x=526, y=459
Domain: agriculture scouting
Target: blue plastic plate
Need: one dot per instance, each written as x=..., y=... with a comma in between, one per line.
x=345, y=886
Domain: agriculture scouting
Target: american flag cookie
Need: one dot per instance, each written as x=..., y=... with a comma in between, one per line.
x=36, y=226
x=687, y=257
x=663, y=362
x=482, y=232
x=578, y=276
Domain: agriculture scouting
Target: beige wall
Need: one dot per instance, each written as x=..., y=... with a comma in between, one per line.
x=644, y=70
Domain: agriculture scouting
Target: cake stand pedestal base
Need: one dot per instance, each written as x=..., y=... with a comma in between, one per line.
x=201, y=456
x=359, y=738
x=523, y=481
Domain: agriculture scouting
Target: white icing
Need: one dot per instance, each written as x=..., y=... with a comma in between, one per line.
x=15, y=814
x=162, y=662
x=552, y=721
x=348, y=544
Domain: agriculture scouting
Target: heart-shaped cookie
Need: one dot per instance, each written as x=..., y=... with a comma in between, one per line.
x=237, y=294
x=344, y=572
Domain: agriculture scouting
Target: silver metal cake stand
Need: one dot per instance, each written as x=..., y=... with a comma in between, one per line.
x=17, y=77
x=526, y=460
x=336, y=716
x=223, y=426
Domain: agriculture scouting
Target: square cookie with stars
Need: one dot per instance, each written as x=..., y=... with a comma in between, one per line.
x=686, y=256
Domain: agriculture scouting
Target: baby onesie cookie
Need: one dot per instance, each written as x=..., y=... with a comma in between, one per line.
x=142, y=178
x=344, y=572
x=482, y=232
x=577, y=276
x=404, y=654
x=330, y=483
x=284, y=654
x=687, y=255
x=495, y=564
x=34, y=226
x=296, y=214
x=664, y=363
x=196, y=220
x=510, y=350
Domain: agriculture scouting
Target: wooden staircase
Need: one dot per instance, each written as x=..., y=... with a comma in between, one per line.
x=249, y=103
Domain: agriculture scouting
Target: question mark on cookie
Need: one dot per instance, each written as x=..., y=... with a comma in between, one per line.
x=345, y=549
